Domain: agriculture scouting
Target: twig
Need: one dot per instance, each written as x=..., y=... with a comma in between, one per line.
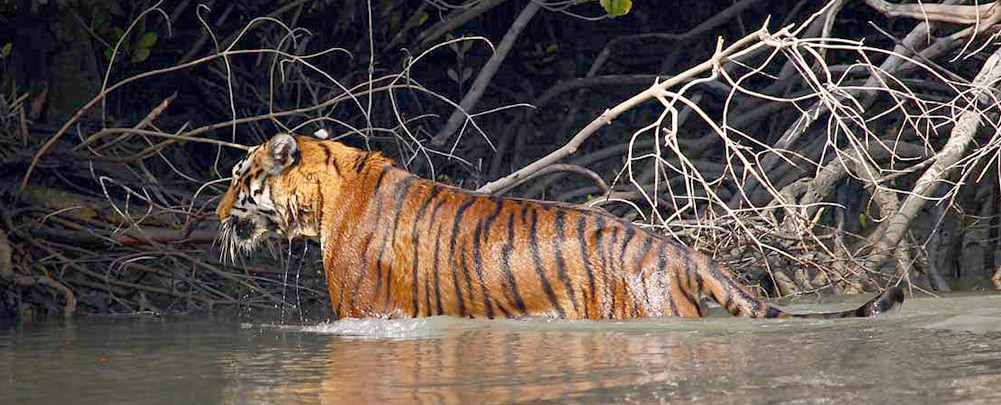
x=486, y=74
x=79, y=20
x=148, y=119
x=745, y=44
x=431, y=34
x=44, y=149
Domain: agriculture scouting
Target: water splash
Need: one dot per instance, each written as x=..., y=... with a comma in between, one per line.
x=394, y=329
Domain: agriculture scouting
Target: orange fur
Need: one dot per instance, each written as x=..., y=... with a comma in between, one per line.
x=396, y=245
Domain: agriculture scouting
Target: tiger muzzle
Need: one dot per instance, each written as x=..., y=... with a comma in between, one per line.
x=243, y=227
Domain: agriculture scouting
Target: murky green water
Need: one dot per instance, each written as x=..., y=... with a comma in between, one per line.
x=932, y=351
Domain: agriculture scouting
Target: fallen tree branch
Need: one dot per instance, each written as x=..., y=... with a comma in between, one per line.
x=558, y=167
x=948, y=13
x=889, y=234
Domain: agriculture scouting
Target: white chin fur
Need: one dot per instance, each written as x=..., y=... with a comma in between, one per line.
x=233, y=245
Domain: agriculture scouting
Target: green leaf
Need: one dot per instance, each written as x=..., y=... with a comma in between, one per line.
x=616, y=8
x=146, y=41
x=140, y=55
x=98, y=20
x=552, y=48
x=423, y=19
x=118, y=31
x=7, y=48
x=108, y=52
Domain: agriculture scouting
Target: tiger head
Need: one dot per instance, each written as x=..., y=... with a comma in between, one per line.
x=273, y=190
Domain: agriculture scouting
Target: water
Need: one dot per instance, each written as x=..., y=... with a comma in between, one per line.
x=945, y=350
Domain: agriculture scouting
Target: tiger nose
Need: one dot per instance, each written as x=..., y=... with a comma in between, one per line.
x=244, y=228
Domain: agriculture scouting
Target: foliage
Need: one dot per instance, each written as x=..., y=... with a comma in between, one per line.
x=616, y=8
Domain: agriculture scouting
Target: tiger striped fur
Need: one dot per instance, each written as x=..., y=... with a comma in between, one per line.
x=396, y=245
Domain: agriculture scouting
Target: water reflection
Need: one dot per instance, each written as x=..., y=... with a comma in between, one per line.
x=933, y=351
x=728, y=360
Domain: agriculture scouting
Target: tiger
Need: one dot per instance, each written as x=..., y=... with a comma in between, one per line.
x=395, y=245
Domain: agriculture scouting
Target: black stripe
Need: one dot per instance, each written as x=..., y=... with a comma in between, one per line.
x=400, y=195
x=458, y=290
x=630, y=233
x=503, y=311
x=478, y=266
x=491, y=218
x=377, y=201
x=326, y=153
x=415, y=240
x=363, y=270
x=581, y=223
x=693, y=301
x=599, y=247
x=690, y=290
x=427, y=297
x=437, y=245
x=246, y=180
x=727, y=282
x=402, y=189
x=337, y=167
x=458, y=221
x=455, y=234
x=361, y=165
x=437, y=281
x=611, y=262
x=506, y=265
x=524, y=211
x=561, y=267
x=662, y=271
x=534, y=245
x=331, y=161
x=434, y=216
x=382, y=175
x=699, y=282
x=465, y=272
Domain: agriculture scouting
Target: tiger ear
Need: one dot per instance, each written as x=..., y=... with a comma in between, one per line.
x=284, y=152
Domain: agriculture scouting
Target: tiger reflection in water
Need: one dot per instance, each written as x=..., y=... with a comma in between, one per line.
x=525, y=362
